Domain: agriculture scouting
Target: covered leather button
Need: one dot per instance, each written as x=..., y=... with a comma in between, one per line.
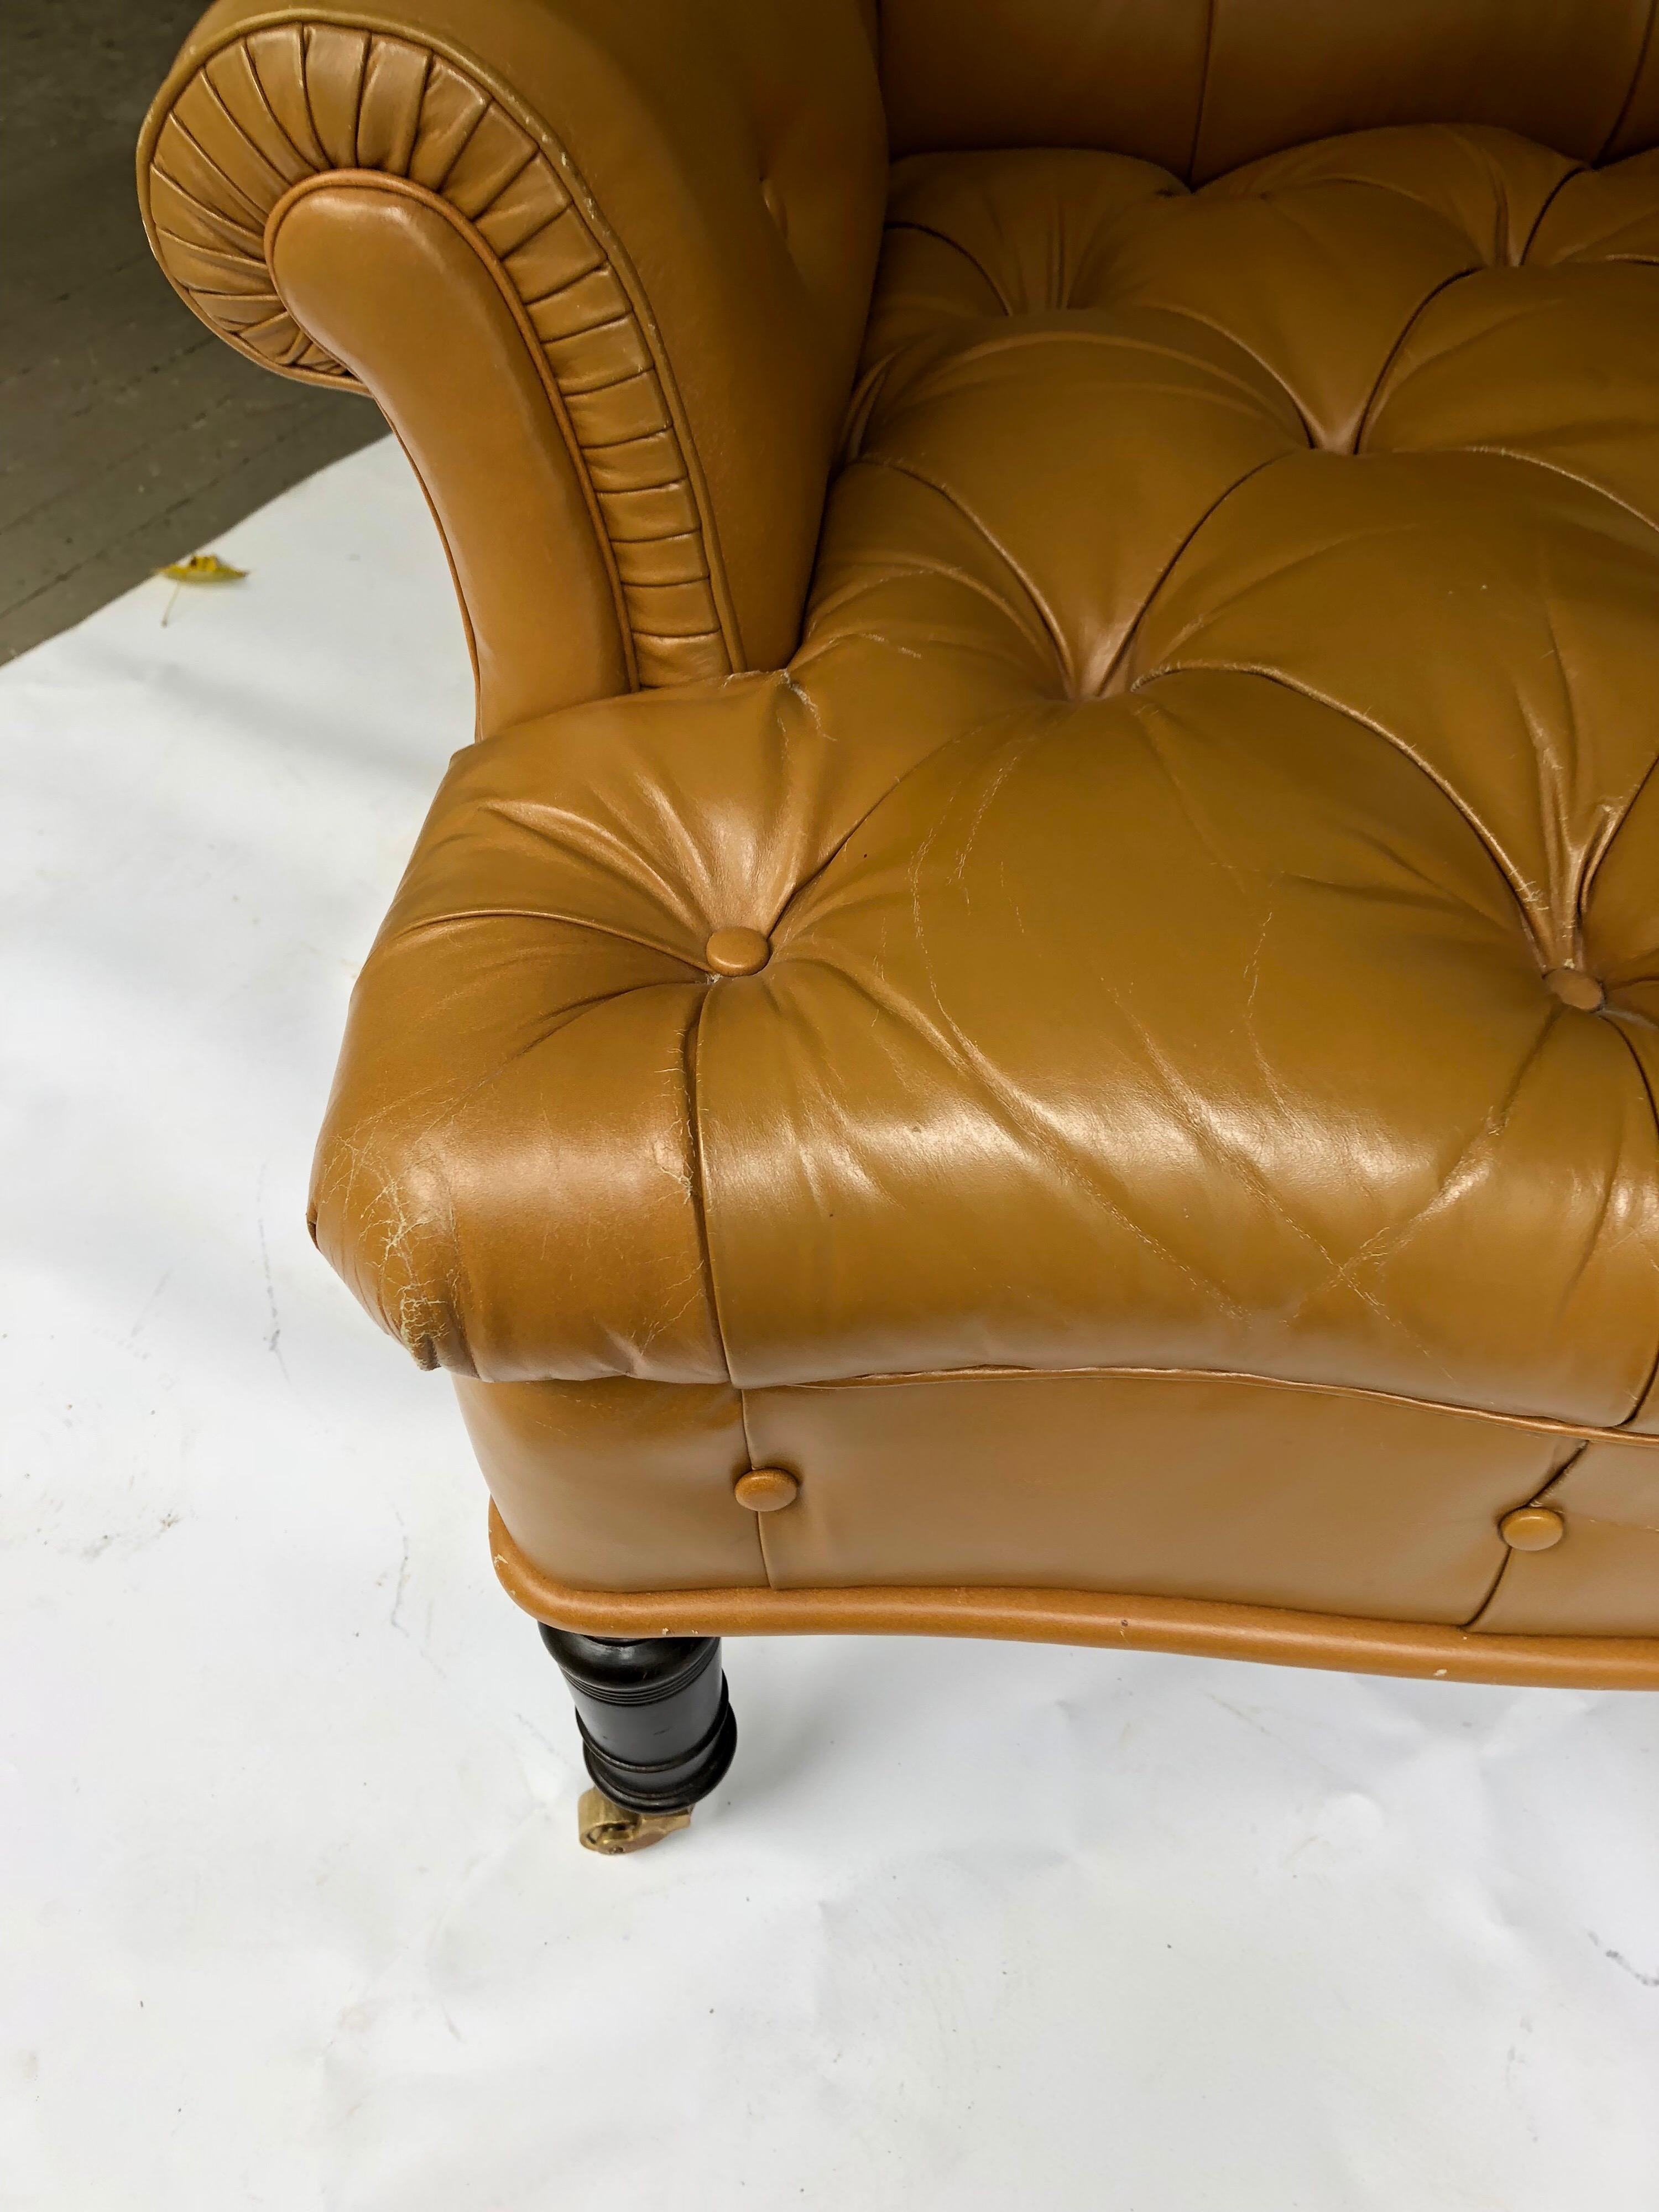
x=765, y=1489
x=735, y=952
x=1575, y=989
x=1531, y=1528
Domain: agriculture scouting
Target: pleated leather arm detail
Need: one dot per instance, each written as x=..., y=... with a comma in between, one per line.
x=272, y=107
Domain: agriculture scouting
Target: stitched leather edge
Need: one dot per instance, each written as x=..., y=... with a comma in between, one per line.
x=287, y=100
x=1201, y=1627
x=1538, y=1424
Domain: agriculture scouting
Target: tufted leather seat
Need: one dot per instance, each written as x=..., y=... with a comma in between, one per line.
x=1127, y=1066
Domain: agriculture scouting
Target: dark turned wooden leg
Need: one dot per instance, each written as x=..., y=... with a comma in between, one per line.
x=657, y=1727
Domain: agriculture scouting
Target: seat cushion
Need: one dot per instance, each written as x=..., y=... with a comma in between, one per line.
x=1207, y=843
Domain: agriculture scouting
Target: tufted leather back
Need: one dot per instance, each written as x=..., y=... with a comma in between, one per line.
x=1200, y=86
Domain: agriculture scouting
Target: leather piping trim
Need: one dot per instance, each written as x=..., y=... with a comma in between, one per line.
x=400, y=187
x=231, y=285
x=1201, y=1627
x=1542, y=1423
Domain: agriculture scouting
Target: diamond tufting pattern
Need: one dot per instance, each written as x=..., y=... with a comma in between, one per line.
x=1227, y=697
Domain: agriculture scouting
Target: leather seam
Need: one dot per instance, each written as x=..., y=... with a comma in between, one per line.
x=1508, y=1559
x=1652, y=1379
x=1369, y=411
x=1536, y=1423
x=1471, y=1626
x=1050, y=626
x=1511, y=879
x=1590, y=867
x=821, y=868
x=1629, y=100
x=1125, y=645
x=1538, y=461
x=759, y=1519
x=926, y=230
x=272, y=116
x=1232, y=338
x=1203, y=94
x=458, y=920
x=1579, y=170
x=699, y=1194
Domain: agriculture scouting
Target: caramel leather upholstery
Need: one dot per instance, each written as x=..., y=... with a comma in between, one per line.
x=1181, y=1149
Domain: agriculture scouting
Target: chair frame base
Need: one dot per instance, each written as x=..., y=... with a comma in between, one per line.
x=657, y=1728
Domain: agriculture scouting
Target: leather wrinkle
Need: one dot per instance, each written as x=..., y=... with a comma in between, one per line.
x=1569, y=475
x=1513, y=878
x=1520, y=258
x=1220, y=330
x=812, y=879
x=928, y=230
x=1024, y=1114
x=1478, y=1144
x=1120, y=657
x=1590, y=863
x=1202, y=1123
x=564, y=829
x=1368, y=412
x=1044, y=613
x=464, y=917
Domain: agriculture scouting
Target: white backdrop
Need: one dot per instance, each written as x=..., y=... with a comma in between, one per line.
x=291, y=1909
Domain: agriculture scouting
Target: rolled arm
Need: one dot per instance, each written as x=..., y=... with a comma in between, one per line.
x=606, y=265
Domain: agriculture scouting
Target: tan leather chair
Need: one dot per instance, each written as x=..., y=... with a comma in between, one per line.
x=1035, y=1015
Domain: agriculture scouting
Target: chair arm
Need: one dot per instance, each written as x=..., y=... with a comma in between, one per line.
x=603, y=264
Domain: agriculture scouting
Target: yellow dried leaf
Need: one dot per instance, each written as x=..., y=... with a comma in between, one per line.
x=201, y=568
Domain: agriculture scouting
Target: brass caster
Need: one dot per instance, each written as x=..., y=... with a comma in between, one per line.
x=604, y=1826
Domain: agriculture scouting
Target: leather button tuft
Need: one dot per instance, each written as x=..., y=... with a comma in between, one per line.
x=736, y=952
x=765, y=1489
x=1531, y=1528
x=1575, y=989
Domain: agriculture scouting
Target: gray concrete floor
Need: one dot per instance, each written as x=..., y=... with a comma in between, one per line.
x=128, y=434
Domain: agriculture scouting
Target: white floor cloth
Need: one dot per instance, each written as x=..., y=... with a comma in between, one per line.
x=292, y=1912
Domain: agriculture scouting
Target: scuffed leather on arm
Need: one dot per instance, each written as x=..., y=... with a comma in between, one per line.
x=679, y=200
x=507, y=1175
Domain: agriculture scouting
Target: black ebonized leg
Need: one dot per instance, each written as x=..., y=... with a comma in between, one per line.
x=657, y=1727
